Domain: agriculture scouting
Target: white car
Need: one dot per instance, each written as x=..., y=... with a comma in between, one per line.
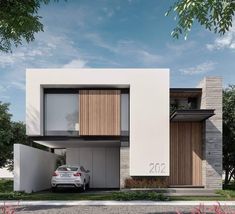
x=71, y=176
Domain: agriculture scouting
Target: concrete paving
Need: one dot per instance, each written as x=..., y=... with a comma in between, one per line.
x=103, y=207
x=113, y=210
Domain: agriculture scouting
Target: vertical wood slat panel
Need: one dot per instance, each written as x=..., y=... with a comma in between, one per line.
x=173, y=179
x=197, y=153
x=83, y=106
x=99, y=112
x=185, y=153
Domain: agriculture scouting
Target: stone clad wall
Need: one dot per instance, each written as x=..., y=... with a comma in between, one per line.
x=124, y=165
x=212, y=148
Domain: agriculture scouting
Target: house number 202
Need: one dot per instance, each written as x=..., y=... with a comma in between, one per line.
x=158, y=168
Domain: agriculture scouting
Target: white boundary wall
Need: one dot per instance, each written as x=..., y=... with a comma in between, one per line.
x=33, y=168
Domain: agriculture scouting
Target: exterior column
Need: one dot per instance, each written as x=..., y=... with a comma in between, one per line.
x=212, y=146
x=124, y=165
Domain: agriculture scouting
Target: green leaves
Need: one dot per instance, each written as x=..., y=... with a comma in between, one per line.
x=19, y=22
x=214, y=15
x=229, y=132
x=10, y=133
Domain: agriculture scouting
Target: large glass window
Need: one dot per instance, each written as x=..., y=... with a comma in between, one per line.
x=61, y=114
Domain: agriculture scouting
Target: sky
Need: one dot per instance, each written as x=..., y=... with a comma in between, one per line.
x=116, y=34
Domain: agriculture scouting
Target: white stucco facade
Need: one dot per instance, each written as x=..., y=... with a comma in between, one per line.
x=149, y=108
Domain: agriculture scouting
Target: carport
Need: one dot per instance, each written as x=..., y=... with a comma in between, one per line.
x=34, y=167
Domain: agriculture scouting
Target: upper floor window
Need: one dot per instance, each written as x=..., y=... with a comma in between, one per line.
x=61, y=114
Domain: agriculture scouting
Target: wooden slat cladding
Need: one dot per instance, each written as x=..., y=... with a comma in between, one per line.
x=185, y=153
x=197, y=153
x=99, y=112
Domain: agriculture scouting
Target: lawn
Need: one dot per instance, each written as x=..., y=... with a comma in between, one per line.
x=6, y=193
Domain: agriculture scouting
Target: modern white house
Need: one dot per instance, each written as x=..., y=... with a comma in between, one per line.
x=119, y=124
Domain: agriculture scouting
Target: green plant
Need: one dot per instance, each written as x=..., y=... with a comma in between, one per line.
x=12, y=195
x=61, y=160
x=213, y=15
x=6, y=185
x=145, y=183
x=138, y=195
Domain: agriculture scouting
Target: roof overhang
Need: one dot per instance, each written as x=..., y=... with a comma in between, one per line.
x=191, y=115
x=78, y=141
x=185, y=92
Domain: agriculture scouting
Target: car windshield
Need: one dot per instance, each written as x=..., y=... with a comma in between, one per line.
x=67, y=168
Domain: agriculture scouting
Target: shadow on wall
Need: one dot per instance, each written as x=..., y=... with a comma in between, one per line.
x=32, y=121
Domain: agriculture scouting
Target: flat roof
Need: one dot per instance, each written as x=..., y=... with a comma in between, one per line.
x=191, y=115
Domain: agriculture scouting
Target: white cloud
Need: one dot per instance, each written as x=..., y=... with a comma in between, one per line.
x=98, y=41
x=127, y=48
x=76, y=63
x=226, y=41
x=147, y=57
x=180, y=49
x=2, y=88
x=108, y=11
x=199, y=69
x=4, y=98
x=47, y=51
x=18, y=85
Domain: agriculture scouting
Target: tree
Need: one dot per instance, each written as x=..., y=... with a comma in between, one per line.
x=214, y=15
x=18, y=130
x=10, y=133
x=229, y=133
x=19, y=21
x=5, y=134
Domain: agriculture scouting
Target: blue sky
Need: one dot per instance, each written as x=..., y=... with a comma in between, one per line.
x=117, y=34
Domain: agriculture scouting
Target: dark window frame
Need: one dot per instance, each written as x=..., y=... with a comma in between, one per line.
x=76, y=91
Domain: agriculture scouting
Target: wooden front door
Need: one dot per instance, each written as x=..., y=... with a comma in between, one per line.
x=185, y=153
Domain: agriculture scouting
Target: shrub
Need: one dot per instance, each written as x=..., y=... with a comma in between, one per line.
x=12, y=195
x=145, y=183
x=6, y=185
x=138, y=195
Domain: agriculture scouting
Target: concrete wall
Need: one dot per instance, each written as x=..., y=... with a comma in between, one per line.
x=212, y=148
x=33, y=168
x=149, y=108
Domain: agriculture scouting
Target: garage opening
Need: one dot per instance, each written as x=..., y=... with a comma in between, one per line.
x=103, y=163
